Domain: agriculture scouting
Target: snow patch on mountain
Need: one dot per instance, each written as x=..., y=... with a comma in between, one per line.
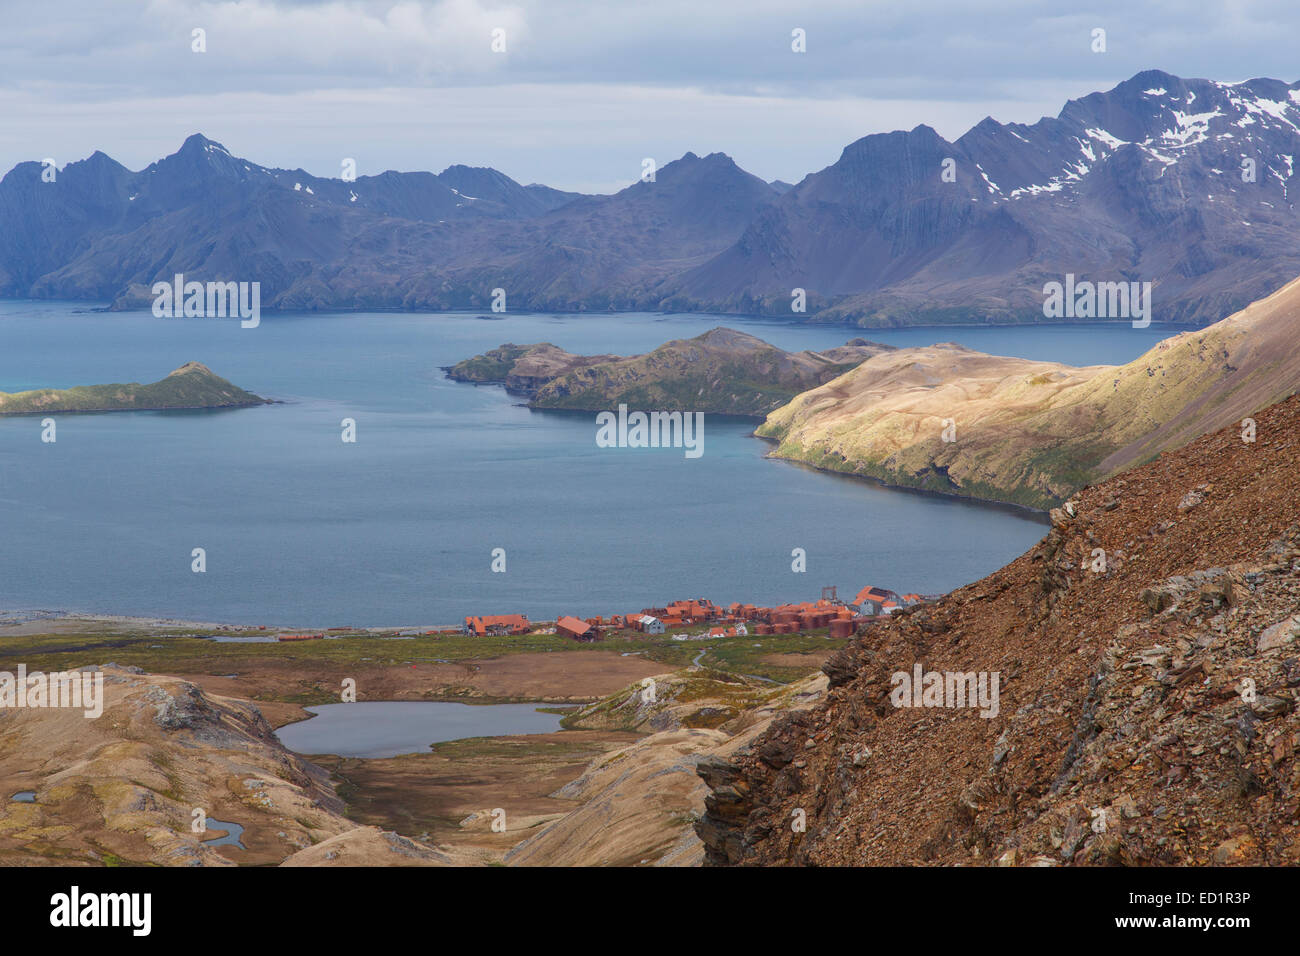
x=1107, y=137
x=1191, y=128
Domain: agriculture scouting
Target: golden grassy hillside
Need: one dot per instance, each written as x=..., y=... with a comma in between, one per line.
x=1033, y=432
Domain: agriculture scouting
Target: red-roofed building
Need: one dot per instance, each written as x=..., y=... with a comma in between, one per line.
x=574, y=628
x=496, y=624
x=879, y=595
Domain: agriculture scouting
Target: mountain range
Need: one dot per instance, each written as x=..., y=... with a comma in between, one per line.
x=1183, y=183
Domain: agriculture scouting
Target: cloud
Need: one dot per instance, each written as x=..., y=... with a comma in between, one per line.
x=581, y=85
x=590, y=138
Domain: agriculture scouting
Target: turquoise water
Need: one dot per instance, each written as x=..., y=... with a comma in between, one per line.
x=302, y=529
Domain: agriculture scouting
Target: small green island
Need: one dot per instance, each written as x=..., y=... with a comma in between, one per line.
x=193, y=385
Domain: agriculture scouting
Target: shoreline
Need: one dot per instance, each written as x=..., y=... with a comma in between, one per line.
x=1043, y=513
x=14, y=622
x=85, y=306
x=141, y=408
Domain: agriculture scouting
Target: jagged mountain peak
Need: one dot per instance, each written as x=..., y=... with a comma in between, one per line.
x=714, y=176
x=866, y=146
x=101, y=158
x=479, y=182
x=690, y=161
x=98, y=170
x=199, y=163
x=197, y=141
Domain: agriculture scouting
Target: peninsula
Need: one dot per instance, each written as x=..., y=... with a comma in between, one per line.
x=722, y=372
x=948, y=419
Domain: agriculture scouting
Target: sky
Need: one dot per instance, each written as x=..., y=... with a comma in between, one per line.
x=583, y=91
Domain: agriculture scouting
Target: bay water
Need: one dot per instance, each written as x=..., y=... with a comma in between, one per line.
x=399, y=528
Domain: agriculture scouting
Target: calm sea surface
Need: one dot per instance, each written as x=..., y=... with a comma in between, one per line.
x=389, y=728
x=399, y=528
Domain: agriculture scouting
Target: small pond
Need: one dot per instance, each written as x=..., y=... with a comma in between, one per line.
x=233, y=833
x=389, y=728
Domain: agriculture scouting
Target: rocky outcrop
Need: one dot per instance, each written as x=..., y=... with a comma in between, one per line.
x=727, y=809
x=638, y=805
x=522, y=369
x=1149, y=675
x=131, y=785
x=722, y=371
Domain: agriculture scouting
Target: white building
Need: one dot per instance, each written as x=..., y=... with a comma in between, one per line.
x=651, y=625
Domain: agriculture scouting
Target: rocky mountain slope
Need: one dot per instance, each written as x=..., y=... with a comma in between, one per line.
x=722, y=372
x=1183, y=183
x=948, y=419
x=193, y=385
x=1144, y=182
x=1148, y=652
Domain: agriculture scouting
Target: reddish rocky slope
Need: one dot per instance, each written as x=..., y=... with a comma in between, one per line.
x=1125, y=733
